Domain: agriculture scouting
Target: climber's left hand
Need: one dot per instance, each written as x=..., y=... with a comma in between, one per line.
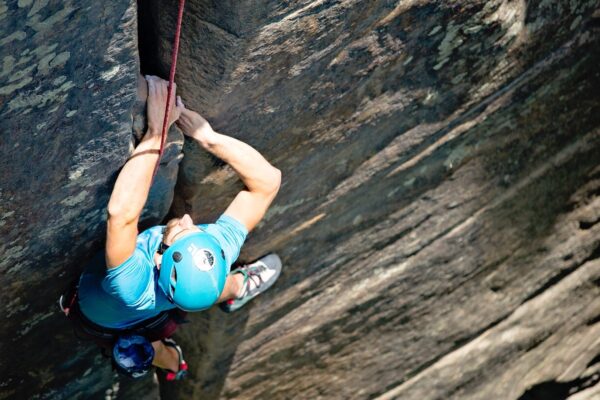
x=157, y=100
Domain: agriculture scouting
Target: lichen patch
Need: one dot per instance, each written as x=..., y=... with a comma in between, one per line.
x=24, y=3
x=37, y=6
x=18, y=35
x=59, y=80
x=15, y=86
x=51, y=61
x=42, y=26
x=7, y=65
x=28, y=99
x=451, y=41
x=74, y=200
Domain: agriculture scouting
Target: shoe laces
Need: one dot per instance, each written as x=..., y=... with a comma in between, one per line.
x=253, y=276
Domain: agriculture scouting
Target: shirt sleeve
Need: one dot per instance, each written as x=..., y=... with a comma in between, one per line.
x=231, y=234
x=132, y=282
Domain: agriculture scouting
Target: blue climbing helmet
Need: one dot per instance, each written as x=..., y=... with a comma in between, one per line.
x=193, y=272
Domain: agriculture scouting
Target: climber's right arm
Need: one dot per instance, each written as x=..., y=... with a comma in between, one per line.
x=262, y=180
x=133, y=183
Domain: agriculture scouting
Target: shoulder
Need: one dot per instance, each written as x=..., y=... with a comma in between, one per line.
x=132, y=281
x=148, y=240
x=230, y=233
x=228, y=227
x=228, y=222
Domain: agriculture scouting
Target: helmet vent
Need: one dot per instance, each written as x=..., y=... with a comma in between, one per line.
x=174, y=276
x=173, y=282
x=171, y=292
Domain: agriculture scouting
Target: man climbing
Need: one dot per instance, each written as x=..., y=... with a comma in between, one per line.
x=146, y=280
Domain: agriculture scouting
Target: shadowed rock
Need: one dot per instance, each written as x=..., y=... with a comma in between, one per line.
x=438, y=214
x=67, y=99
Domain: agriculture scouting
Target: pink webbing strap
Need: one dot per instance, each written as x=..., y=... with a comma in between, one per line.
x=170, y=91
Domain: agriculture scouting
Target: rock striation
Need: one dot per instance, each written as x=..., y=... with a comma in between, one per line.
x=438, y=161
x=438, y=218
x=68, y=96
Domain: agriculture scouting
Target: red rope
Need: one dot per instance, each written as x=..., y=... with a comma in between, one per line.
x=170, y=90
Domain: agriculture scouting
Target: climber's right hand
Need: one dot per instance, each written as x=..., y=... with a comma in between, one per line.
x=195, y=126
x=157, y=99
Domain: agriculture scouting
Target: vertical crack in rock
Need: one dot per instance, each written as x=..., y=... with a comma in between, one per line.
x=163, y=188
x=148, y=39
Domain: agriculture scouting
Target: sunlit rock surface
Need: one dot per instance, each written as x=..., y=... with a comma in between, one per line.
x=438, y=214
x=437, y=219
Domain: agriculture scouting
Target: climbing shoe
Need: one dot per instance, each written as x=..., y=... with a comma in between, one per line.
x=258, y=277
x=183, y=367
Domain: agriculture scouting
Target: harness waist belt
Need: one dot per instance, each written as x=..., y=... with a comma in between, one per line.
x=146, y=324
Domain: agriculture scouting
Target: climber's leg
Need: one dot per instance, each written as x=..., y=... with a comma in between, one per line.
x=233, y=286
x=165, y=357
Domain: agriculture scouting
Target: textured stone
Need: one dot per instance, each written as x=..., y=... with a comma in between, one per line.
x=437, y=160
x=438, y=214
x=68, y=75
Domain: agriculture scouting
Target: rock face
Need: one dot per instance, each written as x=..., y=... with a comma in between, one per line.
x=439, y=206
x=67, y=97
x=437, y=220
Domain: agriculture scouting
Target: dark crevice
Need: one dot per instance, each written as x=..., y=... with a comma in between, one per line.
x=593, y=361
x=551, y=282
x=554, y=390
x=148, y=40
x=593, y=321
x=584, y=225
x=378, y=246
x=593, y=255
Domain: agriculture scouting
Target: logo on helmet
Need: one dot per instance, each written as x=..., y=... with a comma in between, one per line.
x=203, y=259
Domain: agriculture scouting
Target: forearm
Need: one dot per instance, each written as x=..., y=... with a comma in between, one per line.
x=254, y=170
x=133, y=183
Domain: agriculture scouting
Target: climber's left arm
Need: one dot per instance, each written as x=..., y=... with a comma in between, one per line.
x=133, y=183
x=127, y=200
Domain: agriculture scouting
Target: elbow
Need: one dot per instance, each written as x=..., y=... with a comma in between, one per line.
x=119, y=215
x=275, y=181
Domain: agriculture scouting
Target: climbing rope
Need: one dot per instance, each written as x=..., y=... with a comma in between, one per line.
x=175, y=50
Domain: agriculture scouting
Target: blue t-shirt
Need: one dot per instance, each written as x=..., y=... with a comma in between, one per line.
x=129, y=293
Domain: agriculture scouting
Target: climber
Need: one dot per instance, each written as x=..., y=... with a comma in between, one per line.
x=145, y=282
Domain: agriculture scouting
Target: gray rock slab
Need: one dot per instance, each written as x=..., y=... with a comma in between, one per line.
x=438, y=218
x=437, y=159
x=68, y=73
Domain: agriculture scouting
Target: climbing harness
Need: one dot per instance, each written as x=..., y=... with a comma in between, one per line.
x=133, y=365
x=183, y=367
x=170, y=90
x=67, y=300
